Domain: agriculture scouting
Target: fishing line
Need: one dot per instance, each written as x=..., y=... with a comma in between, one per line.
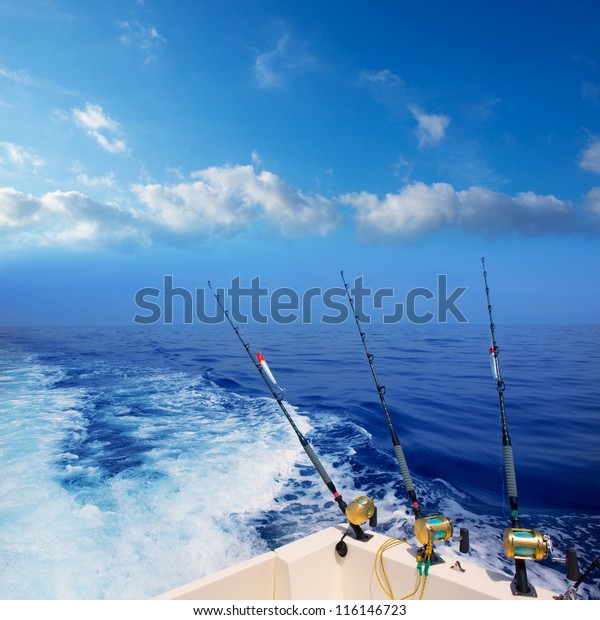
x=353, y=512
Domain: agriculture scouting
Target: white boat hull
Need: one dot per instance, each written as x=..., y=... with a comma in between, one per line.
x=310, y=569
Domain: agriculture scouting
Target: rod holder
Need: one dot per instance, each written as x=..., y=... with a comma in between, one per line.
x=465, y=545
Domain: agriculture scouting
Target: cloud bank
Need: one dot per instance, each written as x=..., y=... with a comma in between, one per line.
x=216, y=201
x=420, y=209
x=232, y=200
x=65, y=219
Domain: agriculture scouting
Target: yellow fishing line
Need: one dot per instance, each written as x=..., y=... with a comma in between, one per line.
x=382, y=576
x=379, y=565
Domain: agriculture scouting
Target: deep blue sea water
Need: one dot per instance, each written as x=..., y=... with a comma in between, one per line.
x=135, y=459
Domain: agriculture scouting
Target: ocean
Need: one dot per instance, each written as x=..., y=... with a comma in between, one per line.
x=138, y=458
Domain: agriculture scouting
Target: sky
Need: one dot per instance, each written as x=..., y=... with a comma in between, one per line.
x=145, y=141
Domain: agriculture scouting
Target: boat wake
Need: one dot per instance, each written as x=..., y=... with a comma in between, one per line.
x=122, y=481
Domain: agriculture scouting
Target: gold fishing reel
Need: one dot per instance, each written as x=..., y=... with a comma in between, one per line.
x=522, y=544
x=433, y=529
x=360, y=510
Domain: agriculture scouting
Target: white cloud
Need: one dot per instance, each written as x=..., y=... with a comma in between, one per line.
x=431, y=127
x=403, y=169
x=65, y=219
x=255, y=158
x=420, y=209
x=383, y=78
x=388, y=88
x=107, y=180
x=219, y=200
x=14, y=157
x=192, y=209
x=590, y=91
x=590, y=158
x=21, y=76
x=267, y=69
x=592, y=201
x=391, y=90
x=176, y=171
x=96, y=122
x=272, y=68
x=229, y=199
x=110, y=145
x=146, y=39
x=93, y=118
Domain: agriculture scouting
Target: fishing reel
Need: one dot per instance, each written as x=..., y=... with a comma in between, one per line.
x=522, y=544
x=359, y=511
x=362, y=509
x=430, y=530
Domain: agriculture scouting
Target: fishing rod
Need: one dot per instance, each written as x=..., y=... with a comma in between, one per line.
x=427, y=529
x=358, y=511
x=519, y=543
x=571, y=593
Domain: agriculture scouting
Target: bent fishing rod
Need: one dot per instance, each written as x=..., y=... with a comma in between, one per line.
x=519, y=543
x=427, y=529
x=359, y=508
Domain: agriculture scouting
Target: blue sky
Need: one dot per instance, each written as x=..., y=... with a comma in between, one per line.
x=289, y=140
